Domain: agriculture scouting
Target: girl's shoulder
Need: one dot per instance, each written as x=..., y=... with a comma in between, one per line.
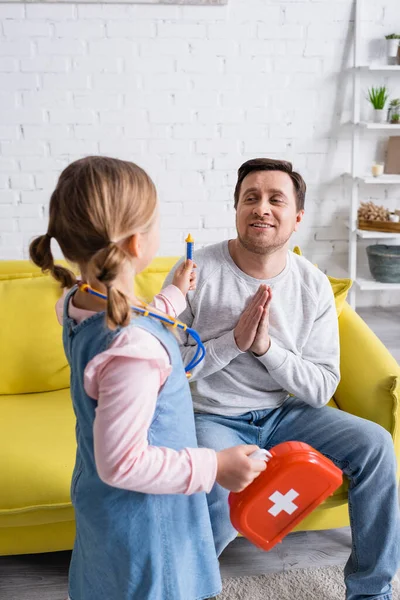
x=78, y=314
x=133, y=344
x=138, y=342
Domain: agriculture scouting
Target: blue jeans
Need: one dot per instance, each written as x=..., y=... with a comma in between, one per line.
x=361, y=449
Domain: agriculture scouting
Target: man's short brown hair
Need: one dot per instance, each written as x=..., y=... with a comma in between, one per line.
x=269, y=164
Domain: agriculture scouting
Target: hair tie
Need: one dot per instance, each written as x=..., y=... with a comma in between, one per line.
x=110, y=244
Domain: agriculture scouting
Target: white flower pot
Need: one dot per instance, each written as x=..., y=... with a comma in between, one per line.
x=380, y=116
x=392, y=48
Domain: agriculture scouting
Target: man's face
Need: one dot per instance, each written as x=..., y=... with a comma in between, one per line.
x=266, y=214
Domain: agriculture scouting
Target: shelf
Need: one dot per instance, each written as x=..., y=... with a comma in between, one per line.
x=382, y=180
x=370, y=284
x=379, y=126
x=374, y=235
x=383, y=68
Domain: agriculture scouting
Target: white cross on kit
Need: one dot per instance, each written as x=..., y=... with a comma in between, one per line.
x=283, y=502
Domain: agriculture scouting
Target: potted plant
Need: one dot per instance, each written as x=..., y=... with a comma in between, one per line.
x=378, y=97
x=392, y=45
x=394, y=111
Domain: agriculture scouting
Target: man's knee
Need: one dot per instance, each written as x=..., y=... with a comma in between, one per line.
x=374, y=441
x=383, y=440
x=211, y=434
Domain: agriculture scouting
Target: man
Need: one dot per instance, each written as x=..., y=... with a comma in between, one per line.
x=268, y=320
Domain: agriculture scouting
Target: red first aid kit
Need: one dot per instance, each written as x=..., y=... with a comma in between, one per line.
x=297, y=479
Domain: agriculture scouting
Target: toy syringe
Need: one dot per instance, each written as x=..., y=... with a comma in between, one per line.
x=189, y=247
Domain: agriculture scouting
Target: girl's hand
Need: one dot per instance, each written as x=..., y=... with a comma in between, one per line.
x=235, y=470
x=185, y=277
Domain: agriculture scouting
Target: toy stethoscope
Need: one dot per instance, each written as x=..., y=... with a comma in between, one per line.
x=147, y=312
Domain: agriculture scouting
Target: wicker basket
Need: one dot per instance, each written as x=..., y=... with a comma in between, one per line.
x=384, y=263
x=386, y=226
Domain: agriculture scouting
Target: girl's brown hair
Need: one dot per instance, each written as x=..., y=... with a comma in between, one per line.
x=98, y=201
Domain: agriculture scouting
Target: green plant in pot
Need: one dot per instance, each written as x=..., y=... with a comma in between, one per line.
x=392, y=45
x=394, y=111
x=378, y=96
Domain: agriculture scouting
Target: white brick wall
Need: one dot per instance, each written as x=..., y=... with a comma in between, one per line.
x=189, y=93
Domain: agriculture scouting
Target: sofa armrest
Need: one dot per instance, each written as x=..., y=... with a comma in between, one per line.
x=370, y=376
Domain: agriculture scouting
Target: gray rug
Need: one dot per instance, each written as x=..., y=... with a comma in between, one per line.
x=303, y=584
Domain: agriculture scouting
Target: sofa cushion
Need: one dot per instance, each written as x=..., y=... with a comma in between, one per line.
x=340, y=287
x=18, y=269
x=370, y=376
x=32, y=357
x=151, y=280
x=37, y=443
x=37, y=446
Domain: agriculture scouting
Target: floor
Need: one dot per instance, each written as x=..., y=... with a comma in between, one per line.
x=44, y=576
x=385, y=322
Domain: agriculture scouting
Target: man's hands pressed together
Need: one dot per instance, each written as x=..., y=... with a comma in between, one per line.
x=252, y=331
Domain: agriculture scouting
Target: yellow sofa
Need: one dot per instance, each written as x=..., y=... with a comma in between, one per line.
x=37, y=425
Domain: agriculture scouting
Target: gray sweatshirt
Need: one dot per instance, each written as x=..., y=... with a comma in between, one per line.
x=303, y=358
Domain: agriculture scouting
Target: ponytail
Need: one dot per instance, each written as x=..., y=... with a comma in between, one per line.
x=107, y=264
x=119, y=311
x=40, y=253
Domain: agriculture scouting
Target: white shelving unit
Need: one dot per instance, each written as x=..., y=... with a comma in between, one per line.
x=377, y=67
x=358, y=178
x=380, y=126
x=365, y=234
x=382, y=180
x=371, y=285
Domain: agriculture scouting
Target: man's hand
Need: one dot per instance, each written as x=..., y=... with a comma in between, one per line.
x=185, y=277
x=246, y=330
x=262, y=341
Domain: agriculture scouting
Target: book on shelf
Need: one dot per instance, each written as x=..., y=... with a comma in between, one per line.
x=392, y=164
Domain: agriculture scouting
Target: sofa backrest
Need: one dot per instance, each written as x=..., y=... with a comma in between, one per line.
x=32, y=358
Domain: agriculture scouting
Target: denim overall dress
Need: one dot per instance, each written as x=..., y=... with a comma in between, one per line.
x=130, y=545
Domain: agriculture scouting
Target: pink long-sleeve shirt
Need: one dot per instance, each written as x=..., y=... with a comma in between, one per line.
x=125, y=380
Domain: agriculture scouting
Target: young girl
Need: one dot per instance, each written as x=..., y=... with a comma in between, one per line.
x=142, y=525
